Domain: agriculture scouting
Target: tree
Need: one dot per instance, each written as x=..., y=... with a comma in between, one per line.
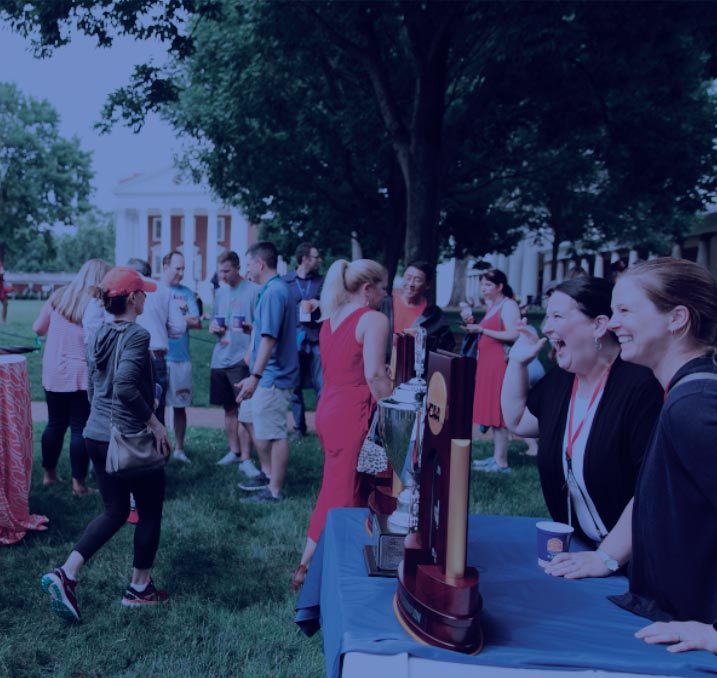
x=44, y=178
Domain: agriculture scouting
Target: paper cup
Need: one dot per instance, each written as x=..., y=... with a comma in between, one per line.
x=553, y=538
x=221, y=320
x=237, y=322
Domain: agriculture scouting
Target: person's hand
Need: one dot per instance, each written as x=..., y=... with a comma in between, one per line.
x=527, y=346
x=161, y=438
x=246, y=327
x=472, y=328
x=216, y=328
x=246, y=388
x=577, y=565
x=684, y=636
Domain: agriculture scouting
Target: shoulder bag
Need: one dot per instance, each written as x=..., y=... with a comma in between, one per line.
x=372, y=457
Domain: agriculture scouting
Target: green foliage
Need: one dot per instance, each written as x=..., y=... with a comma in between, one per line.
x=44, y=178
x=94, y=238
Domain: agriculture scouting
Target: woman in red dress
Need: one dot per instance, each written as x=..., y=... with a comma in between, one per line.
x=352, y=344
x=497, y=329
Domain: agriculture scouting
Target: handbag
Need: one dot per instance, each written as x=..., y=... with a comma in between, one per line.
x=372, y=457
x=131, y=454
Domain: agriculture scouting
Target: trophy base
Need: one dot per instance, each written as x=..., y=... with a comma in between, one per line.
x=387, y=548
x=456, y=625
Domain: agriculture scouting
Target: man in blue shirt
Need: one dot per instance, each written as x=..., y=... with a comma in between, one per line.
x=274, y=372
x=179, y=362
x=305, y=285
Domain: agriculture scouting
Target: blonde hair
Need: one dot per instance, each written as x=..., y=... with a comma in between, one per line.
x=71, y=301
x=345, y=278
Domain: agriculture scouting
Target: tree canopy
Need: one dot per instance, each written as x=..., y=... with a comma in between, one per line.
x=44, y=178
x=413, y=122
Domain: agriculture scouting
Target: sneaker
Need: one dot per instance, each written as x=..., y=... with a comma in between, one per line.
x=61, y=590
x=133, y=517
x=263, y=497
x=248, y=469
x=258, y=482
x=482, y=463
x=493, y=468
x=150, y=596
x=229, y=458
x=179, y=454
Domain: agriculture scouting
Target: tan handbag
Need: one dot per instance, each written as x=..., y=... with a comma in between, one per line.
x=131, y=454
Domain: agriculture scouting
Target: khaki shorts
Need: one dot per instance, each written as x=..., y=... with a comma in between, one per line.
x=179, y=386
x=245, y=412
x=269, y=409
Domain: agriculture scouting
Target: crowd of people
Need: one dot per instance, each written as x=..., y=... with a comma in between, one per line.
x=624, y=418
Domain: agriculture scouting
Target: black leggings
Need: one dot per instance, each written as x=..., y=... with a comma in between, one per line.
x=66, y=410
x=148, y=491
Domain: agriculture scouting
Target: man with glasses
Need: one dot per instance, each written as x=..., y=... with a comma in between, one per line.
x=305, y=284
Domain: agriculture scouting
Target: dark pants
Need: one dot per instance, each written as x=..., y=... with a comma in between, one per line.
x=310, y=376
x=159, y=368
x=148, y=491
x=66, y=410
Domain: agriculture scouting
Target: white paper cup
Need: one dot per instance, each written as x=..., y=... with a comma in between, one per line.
x=553, y=538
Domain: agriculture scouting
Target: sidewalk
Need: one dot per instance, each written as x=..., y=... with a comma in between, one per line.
x=204, y=417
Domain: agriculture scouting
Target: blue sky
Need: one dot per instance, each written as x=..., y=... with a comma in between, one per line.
x=76, y=81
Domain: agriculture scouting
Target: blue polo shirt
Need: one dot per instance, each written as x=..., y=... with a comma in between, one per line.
x=275, y=316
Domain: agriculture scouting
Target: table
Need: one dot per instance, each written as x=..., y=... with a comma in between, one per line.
x=15, y=451
x=531, y=622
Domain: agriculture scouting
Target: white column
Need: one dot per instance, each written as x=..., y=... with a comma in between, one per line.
x=599, y=271
x=529, y=275
x=240, y=232
x=585, y=264
x=547, y=272
x=560, y=271
x=631, y=257
x=141, y=248
x=123, y=234
x=614, y=256
x=189, y=236
x=212, y=242
x=702, y=253
x=515, y=269
x=166, y=232
x=676, y=251
x=502, y=263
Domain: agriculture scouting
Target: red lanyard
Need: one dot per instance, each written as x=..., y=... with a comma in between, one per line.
x=572, y=437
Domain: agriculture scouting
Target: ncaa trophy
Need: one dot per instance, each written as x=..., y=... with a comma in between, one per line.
x=437, y=599
x=395, y=512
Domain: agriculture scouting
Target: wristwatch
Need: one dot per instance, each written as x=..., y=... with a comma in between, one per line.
x=610, y=563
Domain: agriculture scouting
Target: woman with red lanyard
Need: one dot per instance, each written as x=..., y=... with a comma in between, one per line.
x=593, y=413
x=496, y=332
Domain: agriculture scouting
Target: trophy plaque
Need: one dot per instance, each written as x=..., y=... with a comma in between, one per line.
x=394, y=509
x=437, y=599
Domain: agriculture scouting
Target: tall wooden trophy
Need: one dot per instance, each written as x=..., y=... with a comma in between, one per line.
x=438, y=600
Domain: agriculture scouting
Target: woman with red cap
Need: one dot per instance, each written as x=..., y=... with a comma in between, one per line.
x=121, y=388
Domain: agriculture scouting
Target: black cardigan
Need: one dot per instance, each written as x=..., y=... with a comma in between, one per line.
x=617, y=441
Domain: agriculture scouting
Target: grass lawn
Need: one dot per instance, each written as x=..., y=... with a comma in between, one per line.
x=226, y=566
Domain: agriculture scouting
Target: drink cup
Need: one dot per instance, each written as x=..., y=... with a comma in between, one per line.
x=466, y=311
x=221, y=320
x=238, y=322
x=553, y=538
x=305, y=311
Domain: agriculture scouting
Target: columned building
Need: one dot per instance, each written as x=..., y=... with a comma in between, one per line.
x=160, y=212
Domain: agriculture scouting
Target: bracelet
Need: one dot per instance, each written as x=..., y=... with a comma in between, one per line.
x=255, y=375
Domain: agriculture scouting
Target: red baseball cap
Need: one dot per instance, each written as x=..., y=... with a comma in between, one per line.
x=122, y=280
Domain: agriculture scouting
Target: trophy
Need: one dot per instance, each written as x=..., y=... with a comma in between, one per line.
x=395, y=514
x=437, y=599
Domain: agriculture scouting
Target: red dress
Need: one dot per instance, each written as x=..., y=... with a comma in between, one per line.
x=342, y=417
x=490, y=371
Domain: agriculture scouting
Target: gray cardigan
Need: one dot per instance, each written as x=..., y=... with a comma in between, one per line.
x=132, y=386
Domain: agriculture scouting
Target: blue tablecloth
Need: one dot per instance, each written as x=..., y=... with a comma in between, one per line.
x=530, y=620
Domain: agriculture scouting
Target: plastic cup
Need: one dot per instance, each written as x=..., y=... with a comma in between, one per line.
x=305, y=311
x=221, y=320
x=553, y=538
x=238, y=322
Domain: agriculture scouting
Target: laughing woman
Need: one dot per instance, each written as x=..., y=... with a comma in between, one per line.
x=665, y=318
x=593, y=413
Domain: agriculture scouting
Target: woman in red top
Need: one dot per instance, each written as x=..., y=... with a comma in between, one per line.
x=352, y=342
x=497, y=329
